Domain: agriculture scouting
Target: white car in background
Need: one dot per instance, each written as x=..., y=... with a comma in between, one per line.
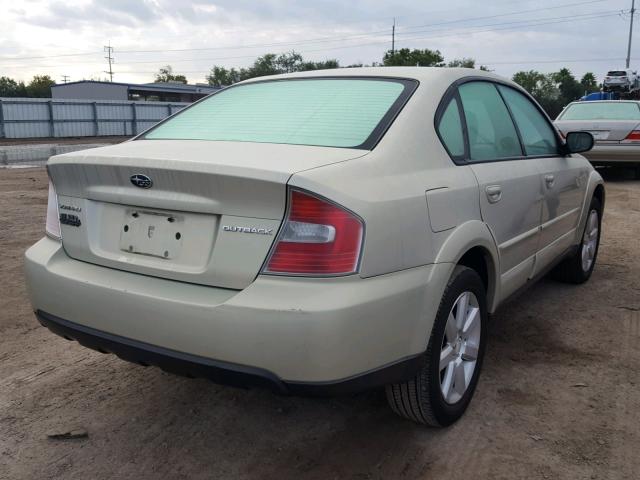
x=625, y=80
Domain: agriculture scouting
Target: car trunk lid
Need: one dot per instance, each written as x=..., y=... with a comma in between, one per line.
x=603, y=131
x=209, y=216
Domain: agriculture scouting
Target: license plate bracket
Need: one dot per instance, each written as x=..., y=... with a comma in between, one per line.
x=600, y=134
x=152, y=233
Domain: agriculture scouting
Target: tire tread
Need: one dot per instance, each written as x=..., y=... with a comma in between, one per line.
x=411, y=399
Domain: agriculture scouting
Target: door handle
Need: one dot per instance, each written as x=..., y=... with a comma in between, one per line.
x=549, y=179
x=494, y=193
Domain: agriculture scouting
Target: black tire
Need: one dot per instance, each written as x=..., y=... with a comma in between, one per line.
x=421, y=399
x=571, y=270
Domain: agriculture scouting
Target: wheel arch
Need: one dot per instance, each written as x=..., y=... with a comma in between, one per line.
x=472, y=245
x=595, y=189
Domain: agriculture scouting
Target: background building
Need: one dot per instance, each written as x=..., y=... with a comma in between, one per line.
x=159, y=92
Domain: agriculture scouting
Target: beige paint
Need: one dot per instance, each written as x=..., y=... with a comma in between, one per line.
x=422, y=213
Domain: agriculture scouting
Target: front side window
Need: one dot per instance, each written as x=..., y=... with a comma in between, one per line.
x=537, y=134
x=345, y=112
x=450, y=130
x=601, y=111
x=491, y=132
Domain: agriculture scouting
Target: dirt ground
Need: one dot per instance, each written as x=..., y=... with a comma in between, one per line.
x=559, y=397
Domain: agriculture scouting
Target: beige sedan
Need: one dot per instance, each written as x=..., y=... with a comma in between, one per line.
x=319, y=233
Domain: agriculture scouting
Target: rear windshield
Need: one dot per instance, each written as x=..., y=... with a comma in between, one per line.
x=350, y=112
x=617, y=73
x=601, y=111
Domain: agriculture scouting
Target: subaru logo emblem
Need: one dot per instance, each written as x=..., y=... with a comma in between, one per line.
x=140, y=180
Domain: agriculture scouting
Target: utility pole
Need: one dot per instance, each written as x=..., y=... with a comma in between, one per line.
x=65, y=78
x=393, y=37
x=108, y=49
x=633, y=11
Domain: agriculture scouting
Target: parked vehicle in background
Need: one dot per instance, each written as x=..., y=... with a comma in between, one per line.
x=621, y=80
x=600, y=96
x=615, y=126
x=320, y=233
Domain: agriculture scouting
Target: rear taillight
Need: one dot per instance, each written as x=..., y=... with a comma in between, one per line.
x=634, y=136
x=317, y=238
x=52, y=227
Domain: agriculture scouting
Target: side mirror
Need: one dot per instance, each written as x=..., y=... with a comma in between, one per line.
x=578, y=142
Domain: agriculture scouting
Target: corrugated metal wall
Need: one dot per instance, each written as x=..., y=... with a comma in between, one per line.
x=36, y=117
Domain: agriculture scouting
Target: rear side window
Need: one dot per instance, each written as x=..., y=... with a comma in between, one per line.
x=349, y=112
x=537, y=134
x=450, y=130
x=491, y=132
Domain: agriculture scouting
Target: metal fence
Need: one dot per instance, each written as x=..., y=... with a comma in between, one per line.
x=35, y=117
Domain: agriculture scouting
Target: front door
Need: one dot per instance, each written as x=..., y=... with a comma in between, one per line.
x=563, y=179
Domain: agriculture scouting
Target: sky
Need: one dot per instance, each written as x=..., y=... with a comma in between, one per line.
x=68, y=37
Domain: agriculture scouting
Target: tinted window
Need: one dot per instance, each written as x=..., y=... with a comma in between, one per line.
x=491, y=131
x=324, y=112
x=537, y=135
x=450, y=129
x=617, y=73
x=601, y=111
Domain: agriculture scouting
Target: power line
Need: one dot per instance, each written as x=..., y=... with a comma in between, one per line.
x=483, y=62
x=477, y=29
x=320, y=39
x=374, y=33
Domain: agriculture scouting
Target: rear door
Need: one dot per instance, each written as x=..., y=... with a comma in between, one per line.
x=510, y=190
x=563, y=178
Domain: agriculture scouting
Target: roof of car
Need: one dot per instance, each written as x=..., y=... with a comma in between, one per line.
x=604, y=101
x=416, y=73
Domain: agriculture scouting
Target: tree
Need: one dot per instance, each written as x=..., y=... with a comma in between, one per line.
x=529, y=80
x=10, y=88
x=465, y=63
x=40, y=86
x=570, y=88
x=220, y=76
x=412, y=58
x=268, y=64
x=462, y=63
x=543, y=88
x=165, y=74
x=589, y=82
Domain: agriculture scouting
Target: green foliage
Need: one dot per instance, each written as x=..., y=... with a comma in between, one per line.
x=40, y=86
x=165, y=74
x=10, y=88
x=268, y=64
x=589, y=82
x=412, y=58
x=462, y=63
x=465, y=63
x=555, y=90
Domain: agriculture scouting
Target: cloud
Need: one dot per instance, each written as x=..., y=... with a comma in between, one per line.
x=50, y=27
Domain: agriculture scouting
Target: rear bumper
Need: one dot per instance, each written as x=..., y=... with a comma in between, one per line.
x=224, y=373
x=613, y=154
x=316, y=336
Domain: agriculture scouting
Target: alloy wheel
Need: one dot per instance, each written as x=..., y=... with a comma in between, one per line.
x=590, y=241
x=459, y=352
